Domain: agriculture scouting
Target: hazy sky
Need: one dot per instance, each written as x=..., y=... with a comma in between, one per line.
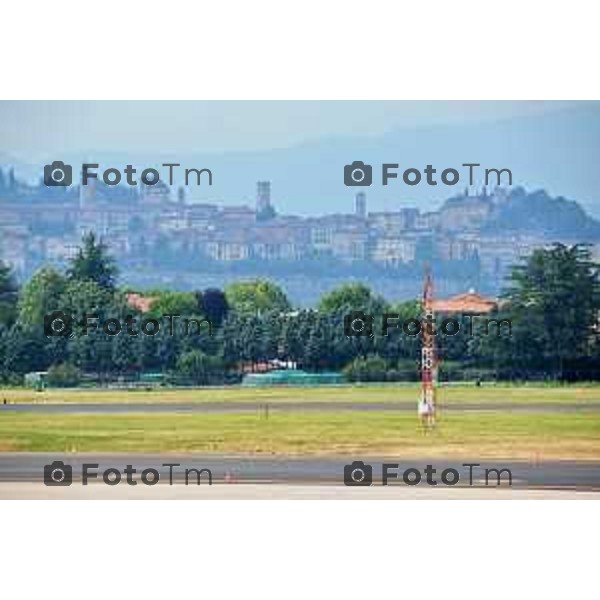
x=302, y=147
x=31, y=131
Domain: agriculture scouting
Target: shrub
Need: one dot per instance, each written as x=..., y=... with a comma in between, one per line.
x=200, y=368
x=407, y=370
x=63, y=375
x=372, y=368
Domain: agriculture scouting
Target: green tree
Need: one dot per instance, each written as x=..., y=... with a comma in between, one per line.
x=40, y=296
x=314, y=353
x=397, y=344
x=232, y=341
x=126, y=357
x=553, y=302
x=257, y=297
x=213, y=303
x=351, y=297
x=199, y=368
x=92, y=352
x=8, y=295
x=371, y=368
x=175, y=303
x=64, y=375
x=25, y=349
x=93, y=263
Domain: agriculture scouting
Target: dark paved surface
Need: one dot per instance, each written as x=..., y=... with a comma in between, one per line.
x=19, y=467
x=221, y=407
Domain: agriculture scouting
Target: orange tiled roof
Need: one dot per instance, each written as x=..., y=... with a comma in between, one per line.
x=141, y=303
x=471, y=302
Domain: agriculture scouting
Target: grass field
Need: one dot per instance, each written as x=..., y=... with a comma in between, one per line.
x=526, y=436
x=371, y=393
x=485, y=434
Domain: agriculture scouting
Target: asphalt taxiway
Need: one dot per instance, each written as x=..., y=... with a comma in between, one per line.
x=582, y=475
x=231, y=407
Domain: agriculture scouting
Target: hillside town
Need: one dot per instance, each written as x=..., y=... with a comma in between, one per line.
x=483, y=231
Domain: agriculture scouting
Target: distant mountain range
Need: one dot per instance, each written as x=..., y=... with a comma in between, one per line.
x=558, y=151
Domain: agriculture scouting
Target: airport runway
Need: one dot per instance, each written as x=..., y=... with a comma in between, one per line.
x=572, y=475
x=225, y=407
x=279, y=491
x=21, y=474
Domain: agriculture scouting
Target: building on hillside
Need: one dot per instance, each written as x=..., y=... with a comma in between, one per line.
x=390, y=224
x=263, y=196
x=61, y=249
x=457, y=246
x=201, y=217
x=595, y=252
x=465, y=213
x=280, y=239
x=106, y=218
x=229, y=246
x=429, y=221
x=344, y=237
x=157, y=194
x=236, y=217
x=360, y=205
x=497, y=253
x=393, y=251
x=13, y=248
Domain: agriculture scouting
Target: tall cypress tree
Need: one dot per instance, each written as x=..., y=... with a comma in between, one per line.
x=93, y=263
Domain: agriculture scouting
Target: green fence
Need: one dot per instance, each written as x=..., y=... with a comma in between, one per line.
x=284, y=377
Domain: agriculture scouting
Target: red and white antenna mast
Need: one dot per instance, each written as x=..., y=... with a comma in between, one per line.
x=427, y=403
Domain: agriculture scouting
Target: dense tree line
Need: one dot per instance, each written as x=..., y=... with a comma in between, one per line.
x=553, y=302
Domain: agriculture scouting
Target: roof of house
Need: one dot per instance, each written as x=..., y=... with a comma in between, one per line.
x=141, y=303
x=470, y=302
